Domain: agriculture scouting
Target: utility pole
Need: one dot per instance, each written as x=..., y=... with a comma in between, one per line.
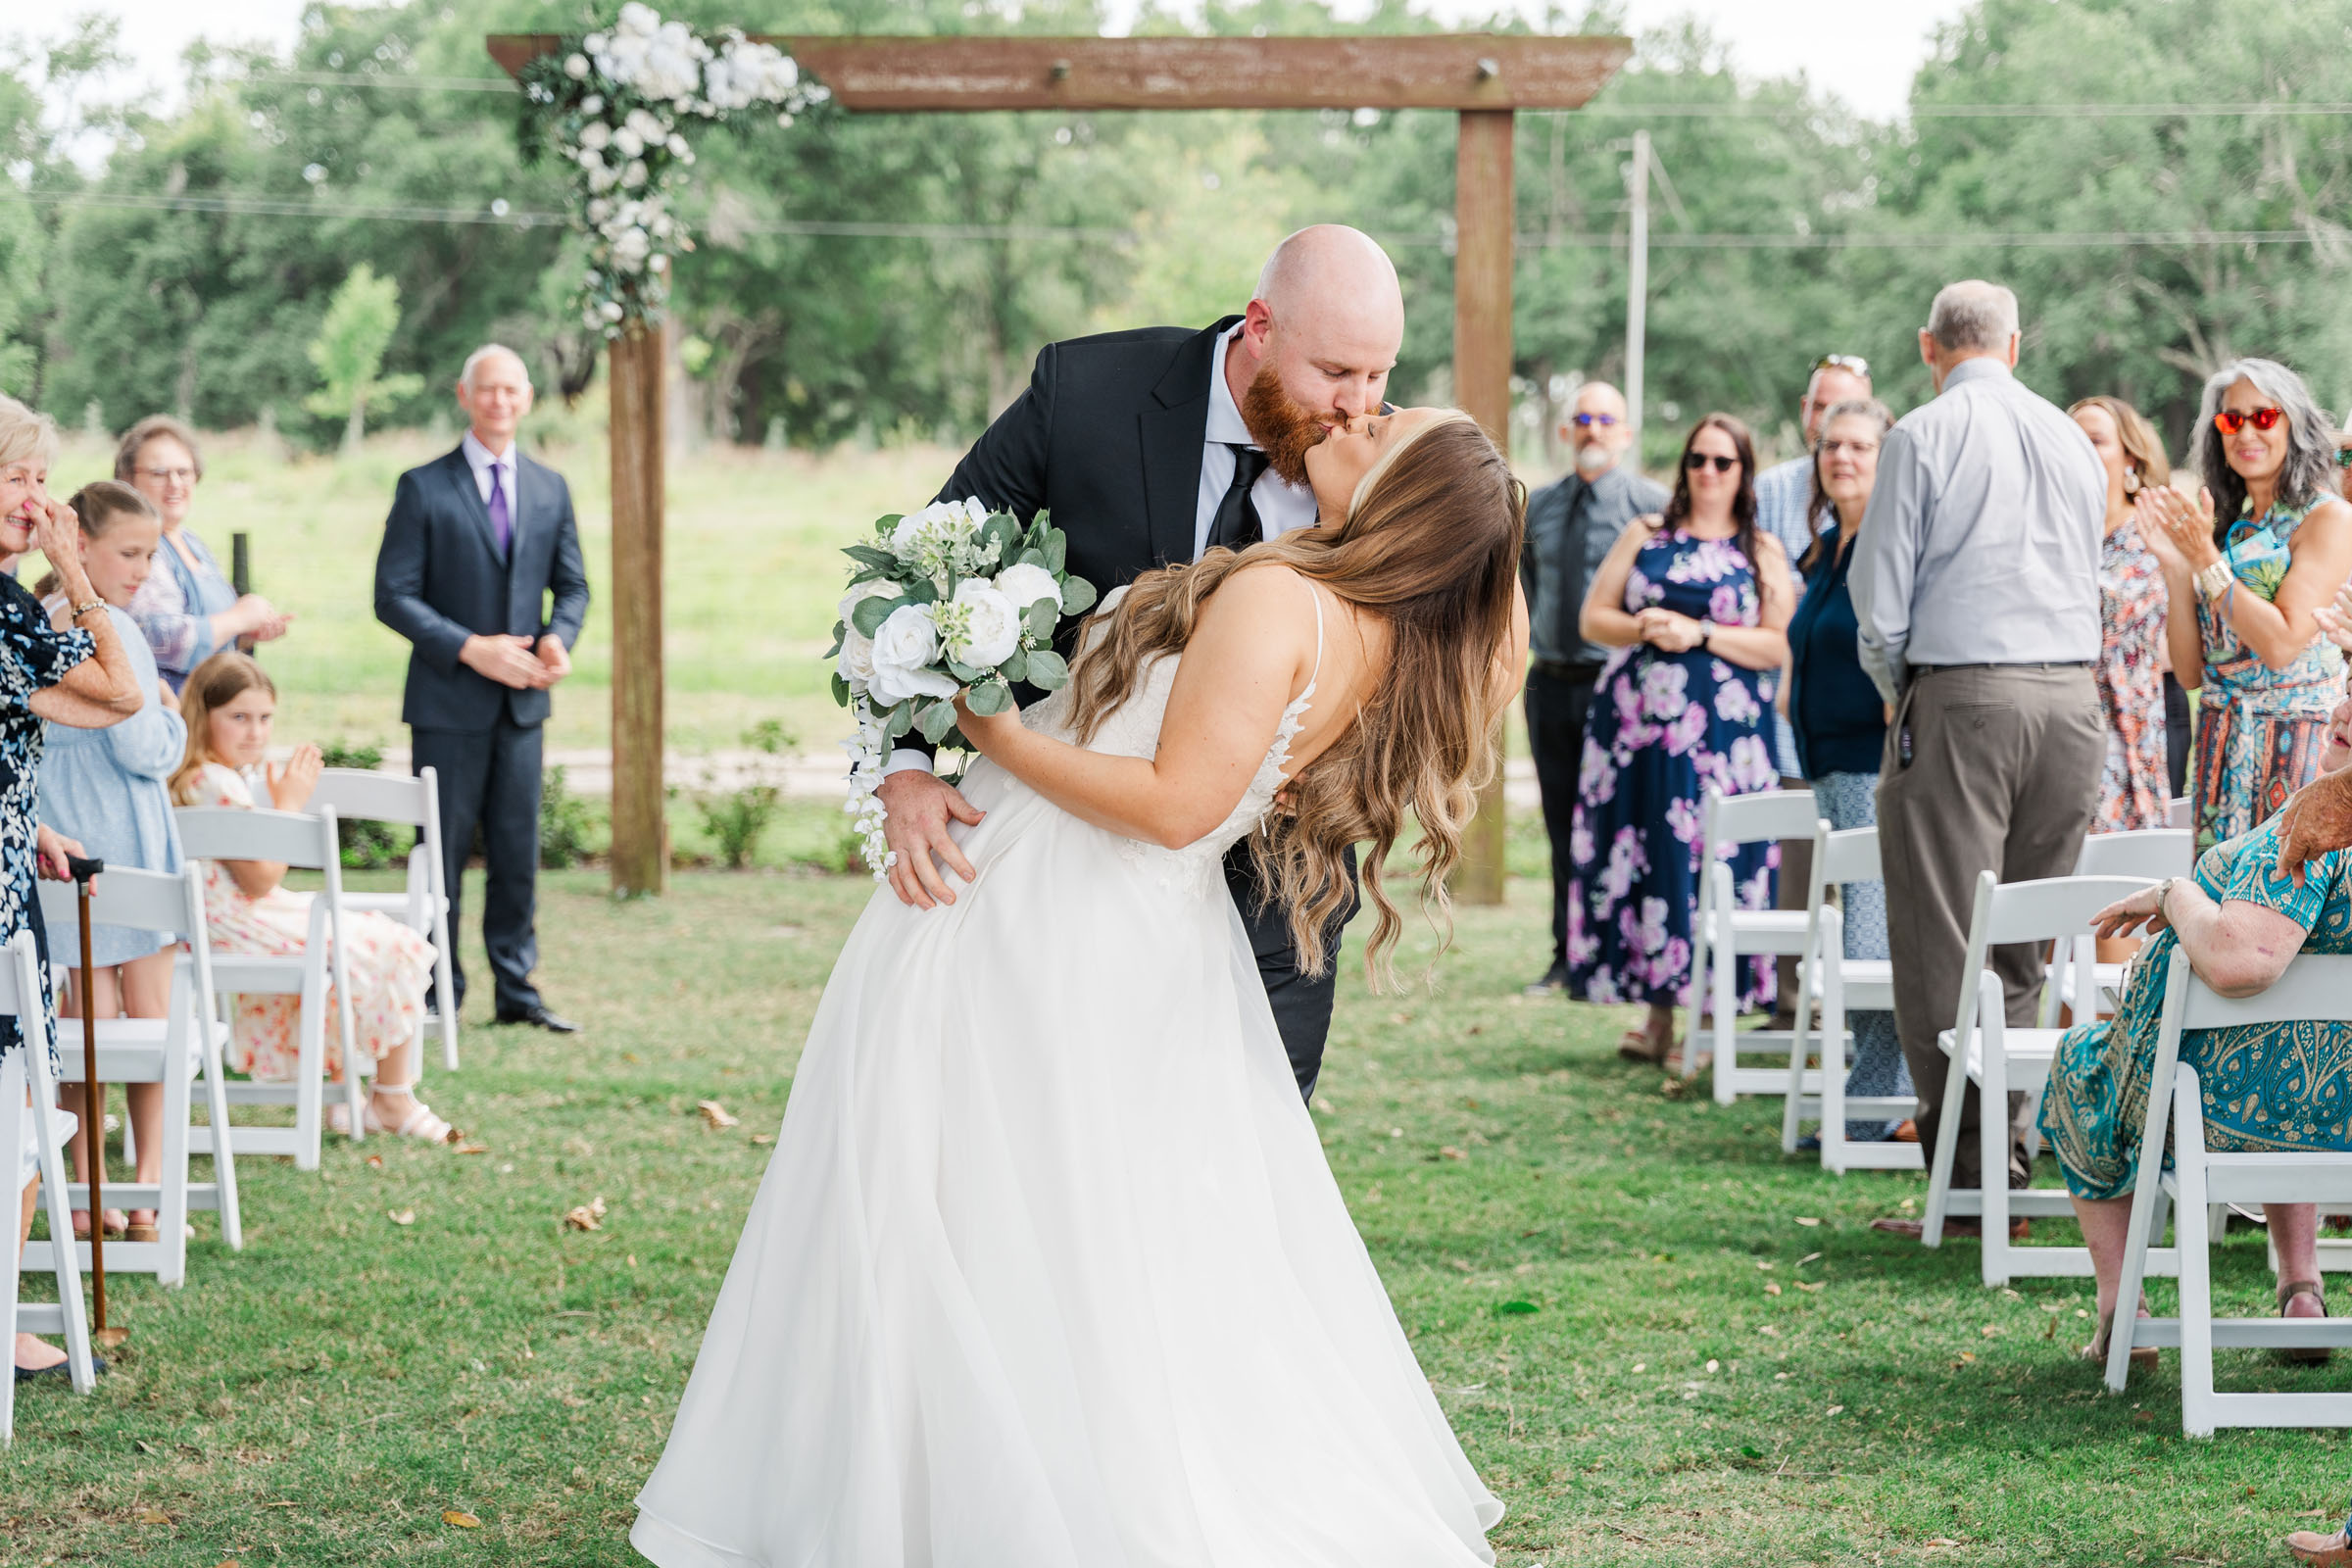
x=1636, y=285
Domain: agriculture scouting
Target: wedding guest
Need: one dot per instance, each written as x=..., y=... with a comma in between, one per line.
x=187, y=609
x=2267, y=1088
x=104, y=788
x=1697, y=605
x=1570, y=527
x=1785, y=509
x=476, y=542
x=80, y=676
x=2267, y=542
x=229, y=705
x=2134, y=790
x=1976, y=587
x=1839, y=722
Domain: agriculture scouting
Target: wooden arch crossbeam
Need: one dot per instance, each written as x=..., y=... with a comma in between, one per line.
x=1483, y=78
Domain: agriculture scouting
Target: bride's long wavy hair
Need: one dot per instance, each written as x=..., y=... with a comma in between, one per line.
x=1431, y=545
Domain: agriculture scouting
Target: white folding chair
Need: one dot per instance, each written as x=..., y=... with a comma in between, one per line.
x=305, y=841
x=1840, y=983
x=170, y=1051
x=2149, y=855
x=2315, y=987
x=1984, y=1051
x=359, y=795
x=26, y=1072
x=1724, y=933
x=2182, y=813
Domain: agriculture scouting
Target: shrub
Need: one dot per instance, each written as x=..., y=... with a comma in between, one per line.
x=735, y=819
x=366, y=846
x=568, y=824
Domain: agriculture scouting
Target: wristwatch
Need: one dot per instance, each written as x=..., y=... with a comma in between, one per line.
x=1706, y=636
x=87, y=606
x=2214, y=580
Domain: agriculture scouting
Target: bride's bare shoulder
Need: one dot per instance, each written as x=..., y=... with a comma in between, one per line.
x=1262, y=592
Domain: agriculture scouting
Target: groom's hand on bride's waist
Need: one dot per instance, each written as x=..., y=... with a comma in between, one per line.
x=919, y=807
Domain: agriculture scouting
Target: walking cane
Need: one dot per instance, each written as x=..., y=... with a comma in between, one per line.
x=93, y=1105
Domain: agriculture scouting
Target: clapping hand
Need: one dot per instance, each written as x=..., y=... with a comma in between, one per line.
x=2128, y=915
x=2176, y=528
x=2335, y=619
x=292, y=781
x=56, y=535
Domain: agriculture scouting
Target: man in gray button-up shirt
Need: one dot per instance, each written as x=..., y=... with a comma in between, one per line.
x=1975, y=580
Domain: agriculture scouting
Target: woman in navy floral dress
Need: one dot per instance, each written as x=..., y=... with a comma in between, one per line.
x=80, y=677
x=1697, y=605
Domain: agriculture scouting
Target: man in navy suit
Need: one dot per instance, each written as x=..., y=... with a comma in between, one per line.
x=480, y=570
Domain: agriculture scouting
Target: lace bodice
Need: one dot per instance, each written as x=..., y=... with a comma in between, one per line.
x=1132, y=729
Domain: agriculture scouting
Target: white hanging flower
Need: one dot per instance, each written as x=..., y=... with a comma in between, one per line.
x=609, y=309
x=630, y=248
x=627, y=142
x=633, y=176
x=596, y=134
x=576, y=66
x=593, y=104
x=857, y=661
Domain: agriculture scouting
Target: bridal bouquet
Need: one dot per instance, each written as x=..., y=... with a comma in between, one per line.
x=946, y=600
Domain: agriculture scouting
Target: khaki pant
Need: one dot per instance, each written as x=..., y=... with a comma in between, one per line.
x=2003, y=774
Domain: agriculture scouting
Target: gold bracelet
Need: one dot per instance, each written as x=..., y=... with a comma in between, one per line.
x=87, y=606
x=2214, y=580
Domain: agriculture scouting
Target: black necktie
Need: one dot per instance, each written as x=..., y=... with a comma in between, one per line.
x=1236, y=525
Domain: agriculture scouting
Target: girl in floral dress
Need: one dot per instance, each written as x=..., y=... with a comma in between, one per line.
x=2134, y=783
x=1697, y=605
x=229, y=705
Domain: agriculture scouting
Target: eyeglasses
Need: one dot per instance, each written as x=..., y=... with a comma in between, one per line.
x=1695, y=461
x=2231, y=420
x=171, y=475
x=1585, y=422
x=1853, y=363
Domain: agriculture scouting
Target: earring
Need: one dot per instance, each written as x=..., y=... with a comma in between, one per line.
x=2131, y=482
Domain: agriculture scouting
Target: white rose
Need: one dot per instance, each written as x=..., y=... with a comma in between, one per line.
x=576, y=66
x=904, y=648
x=609, y=309
x=856, y=662
x=597, y=134
x=593, y=104
x=633, y=176
x=678, y=147
x=626, y=142
x=1026, y=585
x=993, y=632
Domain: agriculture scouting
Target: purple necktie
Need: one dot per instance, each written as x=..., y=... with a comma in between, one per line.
x=502, y=525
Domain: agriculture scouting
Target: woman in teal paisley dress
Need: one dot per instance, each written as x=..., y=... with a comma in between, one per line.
x=2245, y=565
x=2266, y=1086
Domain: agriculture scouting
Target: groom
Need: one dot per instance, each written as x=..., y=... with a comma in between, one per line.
x=1151, y=446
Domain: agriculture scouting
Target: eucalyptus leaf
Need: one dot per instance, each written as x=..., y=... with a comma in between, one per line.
x=1047, y=672
x=1015, y=667
x=1043, y=519
x=1057, y=551
x=964, y=673
x=1030, y=558
x=938, y=719
x=840, y=690
x=883, y=525
x=902, y=719
x=869, y=615
x=1042, y=616
x=1077, y=596
x=954, y=741
x=869, y=556
x=834, y=651
x=921, y=593
x=992, y=697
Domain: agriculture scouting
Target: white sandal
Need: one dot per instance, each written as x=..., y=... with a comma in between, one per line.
x=419, y=1123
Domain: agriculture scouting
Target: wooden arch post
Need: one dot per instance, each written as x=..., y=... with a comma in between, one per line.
x=1483, y=78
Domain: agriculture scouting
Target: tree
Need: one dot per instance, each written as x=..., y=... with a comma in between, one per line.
x=349, y=352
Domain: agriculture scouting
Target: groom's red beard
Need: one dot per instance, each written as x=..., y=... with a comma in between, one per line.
x=1282, y=427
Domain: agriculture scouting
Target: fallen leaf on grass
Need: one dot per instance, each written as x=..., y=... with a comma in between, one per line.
x=2313, y=1513
x=375, y=1162
x=474, y=1149
x=588, y=1217
x=1941, y=1541
x=401, y=1216
x=1812, y=1285
x=1836, y=1409
x=1771, y=1289
x=1458, y=1264
x=1991, y=1331
x=1448, y=1152
x=1966, y=1356
x=764, y=1138
x=632, y=1058
x=461, y=1518
x=1517, y=1309
x=154, y=1516
x=1807, y=1219
x=715, y=1116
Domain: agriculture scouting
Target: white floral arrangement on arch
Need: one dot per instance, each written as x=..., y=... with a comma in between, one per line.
x=615, y=105
x=951, y=599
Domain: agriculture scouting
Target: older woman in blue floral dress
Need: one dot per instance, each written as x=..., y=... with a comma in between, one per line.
x=79, y=676
x=2281, y=1088
x=1697, y=603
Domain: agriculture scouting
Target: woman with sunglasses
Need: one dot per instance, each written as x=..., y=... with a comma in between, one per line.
x=2246, y=565
x=1697, y=605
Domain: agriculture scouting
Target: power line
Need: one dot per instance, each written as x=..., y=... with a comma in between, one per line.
x=518, y=218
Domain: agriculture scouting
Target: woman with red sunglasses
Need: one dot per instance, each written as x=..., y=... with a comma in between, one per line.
x=2246, y=565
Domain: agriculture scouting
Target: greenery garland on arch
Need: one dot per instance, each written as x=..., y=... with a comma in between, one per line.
x=615, y=106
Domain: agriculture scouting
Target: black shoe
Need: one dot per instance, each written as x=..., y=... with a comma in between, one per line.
x=62, y=1369
x=1553, y=983
x=538, y=1017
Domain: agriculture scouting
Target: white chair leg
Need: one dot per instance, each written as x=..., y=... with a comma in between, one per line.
x=2197, y=1408
x=1833, y=1075
x=1701, y=956
x=1727, y=1006
x=1948, y=1145
x=310, y=1075
x=1809, y=971
x=172, y=1204
x=1992, y=1176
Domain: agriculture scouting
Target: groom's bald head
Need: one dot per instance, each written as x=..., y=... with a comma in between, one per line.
x=1326, y=322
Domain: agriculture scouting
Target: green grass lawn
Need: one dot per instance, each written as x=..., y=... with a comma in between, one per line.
x=327, y=1394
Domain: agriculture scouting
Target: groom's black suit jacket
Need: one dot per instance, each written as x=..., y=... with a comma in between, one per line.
x=1109, y=437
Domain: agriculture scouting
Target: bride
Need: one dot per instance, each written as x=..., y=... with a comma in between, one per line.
x=1047, y=1270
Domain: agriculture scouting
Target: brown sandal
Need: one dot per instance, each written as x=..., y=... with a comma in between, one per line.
x=1636, y=1045
x=2142, y=1355
x=2288, y=1290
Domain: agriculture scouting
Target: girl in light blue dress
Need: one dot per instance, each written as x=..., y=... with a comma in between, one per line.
x=106, y=788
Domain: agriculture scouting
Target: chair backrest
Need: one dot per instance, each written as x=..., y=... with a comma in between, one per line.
x=358, y=794
x=21, y=993
x=2316, y=986
x=2182, y=813
x=1763, y=817
x=125, y=895
x=2153, y=853
x=1849, y=854
x=234, y=833
x=2047, y=910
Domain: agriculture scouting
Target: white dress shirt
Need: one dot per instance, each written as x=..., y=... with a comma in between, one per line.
x=1282, y=507
x=482, y=459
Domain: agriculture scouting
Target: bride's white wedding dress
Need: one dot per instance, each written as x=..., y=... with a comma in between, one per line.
x=1049, y=1270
